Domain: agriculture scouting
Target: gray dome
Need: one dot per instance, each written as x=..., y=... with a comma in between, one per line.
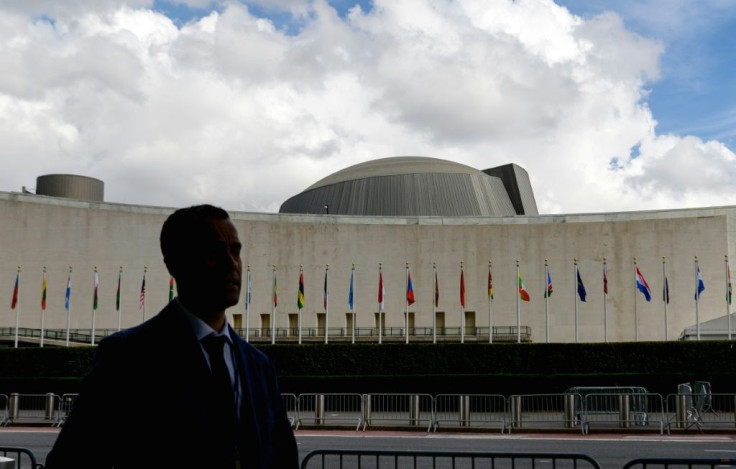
x=406, y=186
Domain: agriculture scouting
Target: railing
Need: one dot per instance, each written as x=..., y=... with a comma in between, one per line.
x=309, y=334
x=18, y=458
x=689, y=463
x=568, y=411
x=345, y=459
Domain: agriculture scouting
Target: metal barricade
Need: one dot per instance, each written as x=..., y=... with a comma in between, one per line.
x=541, y=410
x=330, y=409
x=65, y=406
x=291, y=404
x=359, y=459
x=398, y=409
x=623, y=410
x=470, y=410
x=689, y=463
x=4, y=416
x=18, y=458
x=683, y=413
x=33, y=408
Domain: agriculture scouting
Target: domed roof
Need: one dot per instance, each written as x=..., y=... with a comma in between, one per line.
x=406, y=186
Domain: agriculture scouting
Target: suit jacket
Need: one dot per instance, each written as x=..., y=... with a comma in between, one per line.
x=145, y=403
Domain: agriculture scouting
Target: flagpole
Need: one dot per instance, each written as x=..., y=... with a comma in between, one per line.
x=728, y=296
x=518, y=305
x=327, y=305
x=352, y=299
x=406, y=305
x=546, y=300
x=16, y=295
x=697, y=300
x=462, y=306
x=117, y=299
x=434, y=304
x=43, y=304
x=575, y=294
x=274, y=300
x=69, y=304
x=380, y=304
x=666, y=298
x=247, y=303
x=605, y=295
x=490, y=301
x=94, y=306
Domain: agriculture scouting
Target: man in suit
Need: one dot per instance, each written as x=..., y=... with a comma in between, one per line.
x=152, y=399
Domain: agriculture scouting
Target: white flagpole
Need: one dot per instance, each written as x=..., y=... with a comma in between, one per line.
x=94, y=309
x=327, y=304
x=352, y=303
x=518, y=305
x=636, y=313
x=546, y=300
x=728, y=296
x=274, y=299
x=575, y=294
x=17, y=309
x=490, y=301
x=665, y=298
x=380, y=304
x=462, y=308
x=406, y=305
x=605, y=295
x=434, y=304
x=247, y=303
x=697, y=300
x=69, y=309
x=43, y=304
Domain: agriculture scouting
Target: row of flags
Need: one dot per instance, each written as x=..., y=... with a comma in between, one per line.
x=524, y=295
x=95, y=295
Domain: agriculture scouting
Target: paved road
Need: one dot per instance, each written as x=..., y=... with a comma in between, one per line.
x=610, y=450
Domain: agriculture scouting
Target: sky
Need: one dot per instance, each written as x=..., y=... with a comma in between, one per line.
x=610, y=105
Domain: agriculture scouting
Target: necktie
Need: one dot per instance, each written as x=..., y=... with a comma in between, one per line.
x=224, y=418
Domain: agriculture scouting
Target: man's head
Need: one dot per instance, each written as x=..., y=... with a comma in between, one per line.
x=201, y=249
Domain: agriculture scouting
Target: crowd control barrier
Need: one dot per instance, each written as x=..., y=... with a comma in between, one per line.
x=18, y=458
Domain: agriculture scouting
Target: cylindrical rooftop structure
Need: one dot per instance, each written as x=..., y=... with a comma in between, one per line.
x=71, y=186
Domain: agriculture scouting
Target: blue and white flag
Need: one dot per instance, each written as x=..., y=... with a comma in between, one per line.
x=699, y=285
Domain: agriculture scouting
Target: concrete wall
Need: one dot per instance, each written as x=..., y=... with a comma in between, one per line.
x=37, y=231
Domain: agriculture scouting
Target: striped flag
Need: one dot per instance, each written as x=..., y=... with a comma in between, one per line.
x=14, y=301
x=94, y=296
x=436, y=290
x=171, y=288
x=68, y=296
x=275, y=290
x=490, y=283
x=300, y=294
x=381, y=291
x=523, y=294
x=143, y=291
x=409, y=289
x=43, y=290
x=117, y=293
x=548, y=290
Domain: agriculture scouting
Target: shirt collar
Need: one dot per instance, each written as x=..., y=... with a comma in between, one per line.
x=202, y=329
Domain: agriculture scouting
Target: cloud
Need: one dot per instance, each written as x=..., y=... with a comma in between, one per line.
x=232, y=109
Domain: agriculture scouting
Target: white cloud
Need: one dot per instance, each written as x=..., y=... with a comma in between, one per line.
x=231, y=110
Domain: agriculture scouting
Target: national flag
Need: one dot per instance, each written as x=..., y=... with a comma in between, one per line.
x=490, y=284
x=642, y=285
x=68, y=295
x=548, y=290
x=728, y=284
x=324, y=301
x=700, y=285
x=666, y=291
x=143, y=292
x=436, y=290
x=409, y=290
x=43, y=291
x=248, y=289
x=523, y=294
x=117, y=294
x=171, y=288
x=14, y=301
x=605, y=279
x=381, y=292
x=581, y=288
x=351, y=297
x=275, y=291
x=94, y=296
x=462, y=288
x=300, y=294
